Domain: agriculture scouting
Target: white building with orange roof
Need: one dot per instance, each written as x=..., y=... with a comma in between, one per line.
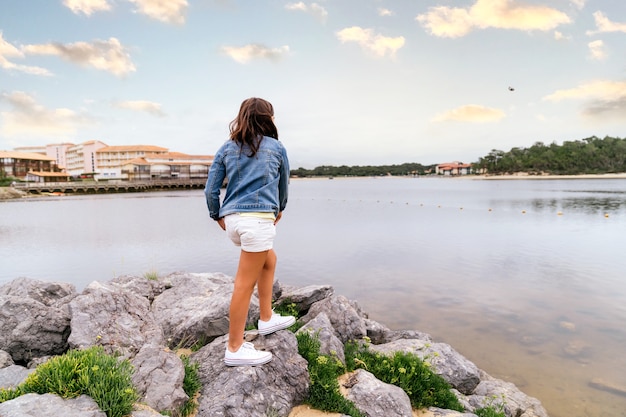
x=110, y=159
x=454, y=168
x=81, y=158
x=171, y=165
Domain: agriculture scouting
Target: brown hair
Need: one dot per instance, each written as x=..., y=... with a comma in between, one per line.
x=255, y=120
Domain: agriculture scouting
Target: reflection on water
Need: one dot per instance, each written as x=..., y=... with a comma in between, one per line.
x=525, y=278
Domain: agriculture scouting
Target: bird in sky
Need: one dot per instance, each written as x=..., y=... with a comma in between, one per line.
x=511, y=89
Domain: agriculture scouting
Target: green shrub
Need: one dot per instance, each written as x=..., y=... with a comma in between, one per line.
x=323, y=372
x=407, y=371
x=91, y=372
x=191, y=386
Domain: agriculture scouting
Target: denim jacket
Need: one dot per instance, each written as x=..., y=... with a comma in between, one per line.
x=255, y=184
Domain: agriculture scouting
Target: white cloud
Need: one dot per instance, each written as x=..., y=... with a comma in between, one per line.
x=384, y=12
x=375, y=43
x=168, y=11
x=559, y=36
x=602, y=98
x=314, y=9
x=7, y=50
x=27, y=117
x=87, y=7
x=109, y=55
x=597, y=50
x=454, y=22
x=579, y=4
x=141, y=105
x=244, y=54
x=603, y=25
x=472, y=113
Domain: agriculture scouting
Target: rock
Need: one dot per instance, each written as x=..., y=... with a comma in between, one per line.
x=196, y=308
x=380, y=334
x=50, y=405
x=599, y=383
x=321, y=328
x=375, y=398
x=13, y=375
x=515, y=402
x=142, y=286
x=345, y=316
x=304, y=297
x=252, y=391
x=158, y=377
x=114, y=318
x=5, y=359
x=451, y=365
x=34, y=319
x=440, y=412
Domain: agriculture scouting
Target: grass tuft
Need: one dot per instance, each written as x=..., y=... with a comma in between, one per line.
x=91, y=372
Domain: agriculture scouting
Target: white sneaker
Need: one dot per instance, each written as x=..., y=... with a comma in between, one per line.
x=276, y=323
x=247, y=355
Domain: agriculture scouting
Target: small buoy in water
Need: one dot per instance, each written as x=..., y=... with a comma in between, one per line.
x=523, y=211
x=489, y=209
x=606, y=215
x=460, y=208
x=438, y=206
x=560, y=213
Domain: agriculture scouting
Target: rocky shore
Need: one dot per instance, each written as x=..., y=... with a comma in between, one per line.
x=145, y=320
x=8, y=193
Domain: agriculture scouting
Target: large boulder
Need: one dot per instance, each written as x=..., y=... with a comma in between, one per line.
x=375, y=398
x=305, y=297
x=13, y=375
x=50, y=405
x=196, y=308
x=114, y=318
x=345, y=316
x=158, y=377
x=34, y=318
x=252, y=391
x=321, y=328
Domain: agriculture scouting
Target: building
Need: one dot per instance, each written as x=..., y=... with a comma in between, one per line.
x=58, y=151
x=110, y=159
x=34, y=176
x=81, y=158
x=171, y=165
x=454, y=168
x=19, y=164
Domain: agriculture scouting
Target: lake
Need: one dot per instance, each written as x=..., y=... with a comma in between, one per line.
x=526, y=278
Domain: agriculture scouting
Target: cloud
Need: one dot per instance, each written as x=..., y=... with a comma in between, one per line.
x=87, y=7
x=108, y=55
x=168, y=11
x=141, y=105
x=384, y=12
x=375, y=43
x=244, y=54
x=9, y=51
x=579, y=4
x=472, y=113
x=559, y=36
x=29, y=118
x=314, y=9
x=454, y=22
x=604, y=25
x=603, y=98
x=597, y=50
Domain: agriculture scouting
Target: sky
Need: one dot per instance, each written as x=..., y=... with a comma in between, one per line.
x=352, y=82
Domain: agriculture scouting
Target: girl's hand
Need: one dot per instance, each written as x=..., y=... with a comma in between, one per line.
x=221, y=223
x=278, y=216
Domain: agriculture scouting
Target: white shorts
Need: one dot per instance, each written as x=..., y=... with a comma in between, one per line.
x=253, y=234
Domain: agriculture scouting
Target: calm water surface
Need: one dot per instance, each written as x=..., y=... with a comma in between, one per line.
x=526, y=278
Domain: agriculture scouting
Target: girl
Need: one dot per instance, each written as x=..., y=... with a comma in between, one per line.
x=256, y=167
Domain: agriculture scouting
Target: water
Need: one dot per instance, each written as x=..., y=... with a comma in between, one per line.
x=524, y=277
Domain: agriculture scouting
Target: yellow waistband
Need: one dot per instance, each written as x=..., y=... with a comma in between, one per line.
x=259, y=214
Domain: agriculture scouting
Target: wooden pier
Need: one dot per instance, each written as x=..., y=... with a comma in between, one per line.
x=103, y=187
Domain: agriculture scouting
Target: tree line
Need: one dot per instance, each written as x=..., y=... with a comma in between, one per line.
x=364, y=171
x=587, y=156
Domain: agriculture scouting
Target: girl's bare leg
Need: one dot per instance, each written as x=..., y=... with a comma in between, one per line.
x=266, y=284
x=251, y=265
